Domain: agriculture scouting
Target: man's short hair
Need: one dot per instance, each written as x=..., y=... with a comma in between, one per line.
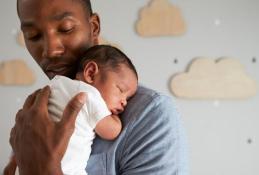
x=88, y=6
x=86, y=3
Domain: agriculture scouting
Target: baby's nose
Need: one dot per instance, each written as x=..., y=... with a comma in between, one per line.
x=123, y=102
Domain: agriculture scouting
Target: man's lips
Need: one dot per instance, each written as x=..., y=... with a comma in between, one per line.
x=57, y=69
x=53, y=67
x=51, y=71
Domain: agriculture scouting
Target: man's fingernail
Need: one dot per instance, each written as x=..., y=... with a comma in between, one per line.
x=82, y=98
x=46, y=87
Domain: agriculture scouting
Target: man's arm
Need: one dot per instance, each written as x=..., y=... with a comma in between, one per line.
x=109, y=127
x=38, y=142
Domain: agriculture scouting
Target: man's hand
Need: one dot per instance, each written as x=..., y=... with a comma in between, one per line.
x=11, y=166
x=39, y=143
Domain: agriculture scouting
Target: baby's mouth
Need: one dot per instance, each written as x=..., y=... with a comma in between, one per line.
x=114, y=112
x=117, y=111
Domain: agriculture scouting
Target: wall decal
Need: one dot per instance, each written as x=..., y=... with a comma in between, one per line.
x=176, y=60
x=160, y=18
x=15, y=72
x=102, y=40
x=217, y=22
x=209, y=79
x=20, y=39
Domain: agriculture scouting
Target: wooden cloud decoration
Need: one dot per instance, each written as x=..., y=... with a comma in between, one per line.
x=160, y=18
x=209, y=79
x=20, y=39
x=15, y=72
x=102, y=40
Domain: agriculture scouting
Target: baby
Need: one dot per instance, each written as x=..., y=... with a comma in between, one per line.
x=109, y=79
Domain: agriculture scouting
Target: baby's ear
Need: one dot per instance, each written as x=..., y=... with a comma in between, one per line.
x=90, y=70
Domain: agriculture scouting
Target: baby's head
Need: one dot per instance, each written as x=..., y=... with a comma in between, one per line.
x=110, y=71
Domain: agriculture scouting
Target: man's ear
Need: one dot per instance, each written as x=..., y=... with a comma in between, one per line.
x=95, y=27
x=90, y=71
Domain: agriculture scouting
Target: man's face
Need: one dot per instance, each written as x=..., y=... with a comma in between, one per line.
x=56, y=32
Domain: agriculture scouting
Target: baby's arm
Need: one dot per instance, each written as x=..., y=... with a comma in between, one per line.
x=109, y=127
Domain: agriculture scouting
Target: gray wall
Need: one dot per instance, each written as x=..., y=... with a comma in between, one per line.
x=222, y=135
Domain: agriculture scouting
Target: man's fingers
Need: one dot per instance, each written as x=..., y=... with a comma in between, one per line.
x=30, y=99
x=12, y=158
x=42, y=98
x=12, y=136
x=71, y=111
x=11, y=167
x=18, y=116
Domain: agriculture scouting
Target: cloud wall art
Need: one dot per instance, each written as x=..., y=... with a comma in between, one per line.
x=206, y=78
x=160, y=18
x=16, y=72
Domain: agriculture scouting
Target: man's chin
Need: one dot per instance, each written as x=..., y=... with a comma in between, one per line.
x=50, y=75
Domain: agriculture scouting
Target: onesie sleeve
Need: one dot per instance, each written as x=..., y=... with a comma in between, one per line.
x=95, y=105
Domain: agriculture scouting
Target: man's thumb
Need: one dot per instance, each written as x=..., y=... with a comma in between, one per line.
x=72, y=109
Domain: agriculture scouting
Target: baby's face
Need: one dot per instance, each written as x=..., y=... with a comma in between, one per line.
x=116, y=87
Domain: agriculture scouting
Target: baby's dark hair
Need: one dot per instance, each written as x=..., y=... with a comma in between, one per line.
x=106, y=56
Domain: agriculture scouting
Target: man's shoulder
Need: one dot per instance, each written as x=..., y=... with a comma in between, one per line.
x=151, y=131
x=146, y=102
x=151, y=95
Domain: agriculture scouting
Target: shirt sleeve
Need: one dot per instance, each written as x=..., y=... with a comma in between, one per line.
x=155, y=141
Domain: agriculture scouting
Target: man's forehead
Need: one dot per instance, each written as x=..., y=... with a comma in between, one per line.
x=55, y=9
x=28, y=7
x=56, y=17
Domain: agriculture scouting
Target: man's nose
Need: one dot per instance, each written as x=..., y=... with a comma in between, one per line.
x=52, y=47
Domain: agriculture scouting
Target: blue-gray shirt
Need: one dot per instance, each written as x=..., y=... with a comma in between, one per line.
x=152, y=141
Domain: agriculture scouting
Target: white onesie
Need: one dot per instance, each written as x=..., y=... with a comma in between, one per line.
x=78, y=151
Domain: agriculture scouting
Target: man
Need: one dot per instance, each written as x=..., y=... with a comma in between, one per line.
x=151, y=142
